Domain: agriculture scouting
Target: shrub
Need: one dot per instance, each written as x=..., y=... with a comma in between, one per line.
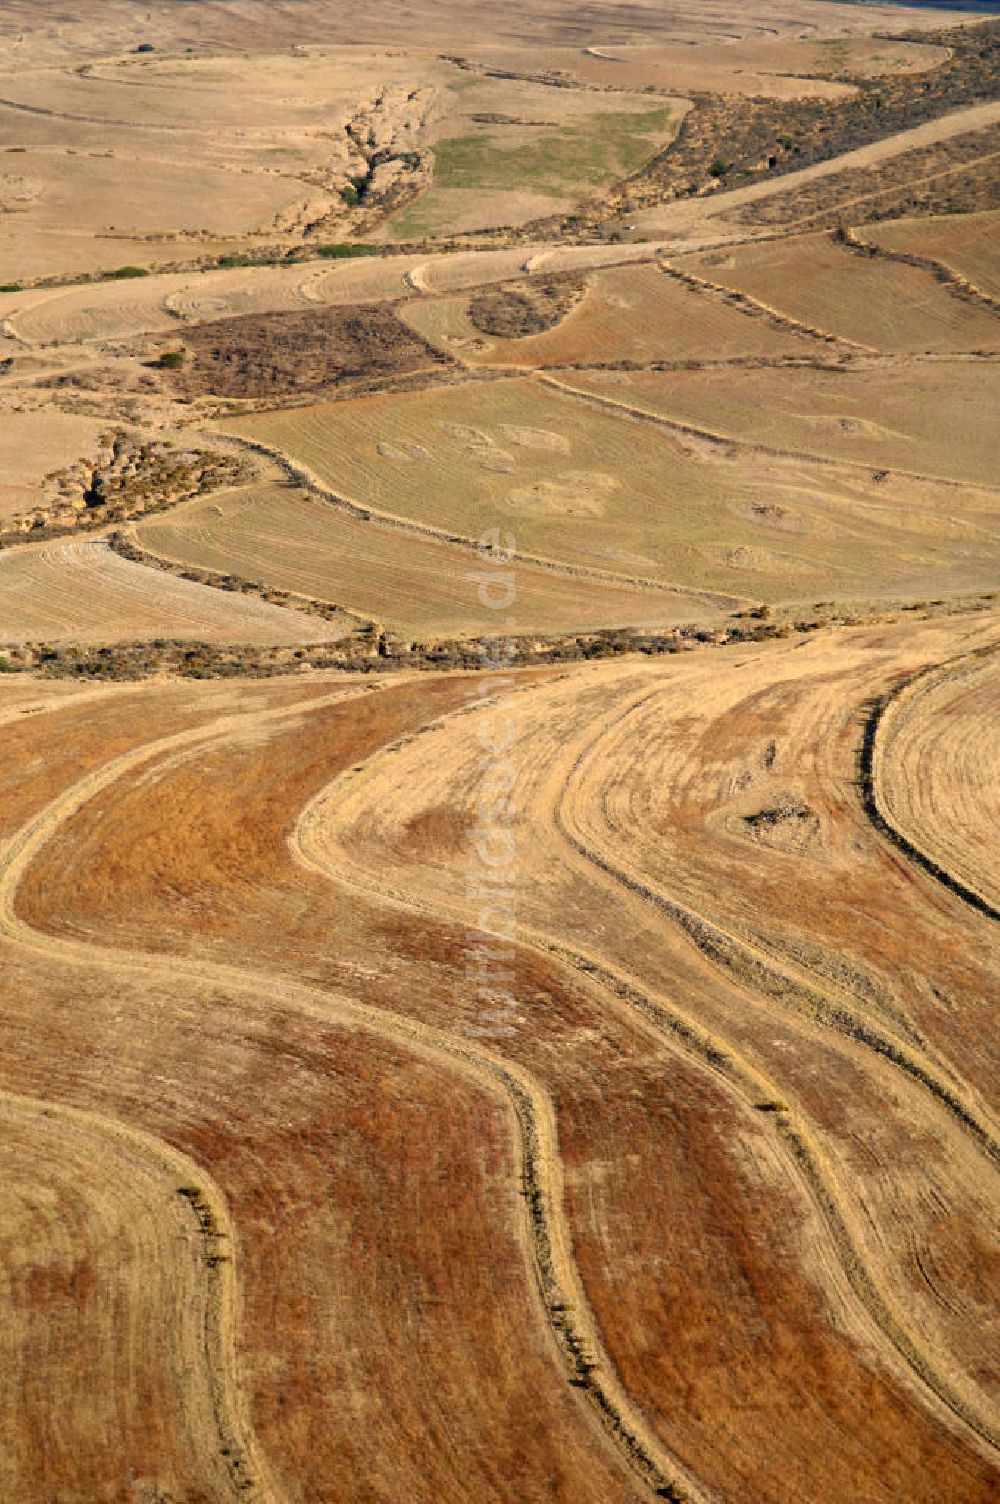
x=125, y=273
x=11, y=287
x=350, y=195
x=719, y=168
x=345, y=248
x=171, y=359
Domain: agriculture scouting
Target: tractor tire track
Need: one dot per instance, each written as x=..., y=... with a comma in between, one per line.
x=547, y=1236
x=803, y=1156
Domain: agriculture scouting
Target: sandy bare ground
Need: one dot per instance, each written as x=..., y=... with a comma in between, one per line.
x=43, y=34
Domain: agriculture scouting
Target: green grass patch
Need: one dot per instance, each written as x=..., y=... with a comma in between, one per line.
x=565, y=162
x=598, y=149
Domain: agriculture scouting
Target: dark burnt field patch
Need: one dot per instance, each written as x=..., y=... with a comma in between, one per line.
x=277, y=355
x=529, y=308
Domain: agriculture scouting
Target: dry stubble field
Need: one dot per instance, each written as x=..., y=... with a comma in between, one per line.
x=660, y=1159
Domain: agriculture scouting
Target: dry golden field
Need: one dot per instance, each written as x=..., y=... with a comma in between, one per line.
x=325, y=986
x=934, y=764
x=34, y=444
x=589, y=485
x=926, y=420
x=963, y=243
x=634, y=313
x=81, y=592
x=296, y=541
x=875, y=304
x=499, y=754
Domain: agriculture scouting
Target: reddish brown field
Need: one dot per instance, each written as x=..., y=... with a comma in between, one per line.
x=646, y=1121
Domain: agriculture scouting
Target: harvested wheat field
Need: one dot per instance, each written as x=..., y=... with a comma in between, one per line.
x=82, y=592
x=934, y=760
x=795, y=1239
x=930, y=419
x=587, y=484
x=499, y=753
x=962, y=243
x=636, y=313
x=291, y=540
x=874, y=304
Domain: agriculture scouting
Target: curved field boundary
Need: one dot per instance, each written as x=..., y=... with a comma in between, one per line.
x=310, y=481
x=124, y=544
x=956, y=283
x=750, y=965
x=878, y=730
x=804, y=1157
x=749, y=969
x=242, y=1460
x=730, y=442
x=555, y=1276
x=754, y=308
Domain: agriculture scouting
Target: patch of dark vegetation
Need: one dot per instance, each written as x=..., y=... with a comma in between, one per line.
x=529, y=308
x=753, y=138
x=279, y=354
x=947, y=177
x=780, y=814
x=343, y=250
x=128, y=479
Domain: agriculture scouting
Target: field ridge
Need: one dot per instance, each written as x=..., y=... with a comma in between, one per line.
x=720, y=1057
